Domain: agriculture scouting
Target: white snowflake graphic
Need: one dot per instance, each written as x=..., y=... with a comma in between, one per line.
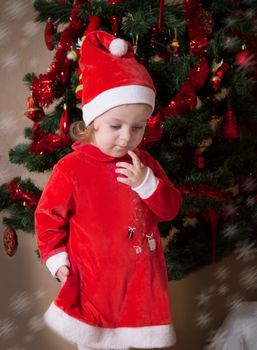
x=203, y=320
x=234, y=302
x=203, y=298
x=4, y=33
x=216, y=340
x=230, y=210
x=9, y=60
x=249, y=185
x=39, y=294
x=16, y=347
x=222, y=273
x=230, y=231
x=33, y=63
x=7, y=328
x=29, y=338
x=232, y=42
x=250, y=201
x=5, y=174
x=248, y=278
x=8, y=121
x=20, y=303
x=36, y=324
x=15, y=9
x=245, y=251
x=223, y=289
x=30, y=29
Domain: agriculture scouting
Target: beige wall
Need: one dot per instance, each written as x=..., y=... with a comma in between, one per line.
x=26, y=288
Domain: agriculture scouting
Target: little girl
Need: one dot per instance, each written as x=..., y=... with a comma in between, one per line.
x=96, y=221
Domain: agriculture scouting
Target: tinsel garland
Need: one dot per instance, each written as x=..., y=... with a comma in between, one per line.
x=17, y=194
x=185, y=99
x=44, y=86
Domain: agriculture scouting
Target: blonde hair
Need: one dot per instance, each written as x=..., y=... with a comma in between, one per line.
x=80, y=132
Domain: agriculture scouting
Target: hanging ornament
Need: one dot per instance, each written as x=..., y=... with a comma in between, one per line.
x=10, y=241
x=113, y=2
x=175, y=44
x=154, y=33
x=245, y=59
x=50, y=30
x=64, y=121
x=160, y=19
x=229, y=130
x=219, y=69
x=33, y=111
x=199, y=159
x=115, y=24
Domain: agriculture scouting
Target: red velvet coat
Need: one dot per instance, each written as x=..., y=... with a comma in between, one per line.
x=117, y=288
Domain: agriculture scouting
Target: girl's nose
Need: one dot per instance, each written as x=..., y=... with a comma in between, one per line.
x=125, y=135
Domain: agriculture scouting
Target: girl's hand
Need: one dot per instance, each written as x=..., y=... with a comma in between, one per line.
x=62, y=274
x=135, y=173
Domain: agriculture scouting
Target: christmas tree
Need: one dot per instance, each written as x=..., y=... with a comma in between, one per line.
x=203, y=60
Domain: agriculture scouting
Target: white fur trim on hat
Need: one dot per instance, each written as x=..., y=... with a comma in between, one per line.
x=118, y=96
x=118, y=47
x=109, y=338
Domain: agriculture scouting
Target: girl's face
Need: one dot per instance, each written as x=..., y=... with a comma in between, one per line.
x=120, y=129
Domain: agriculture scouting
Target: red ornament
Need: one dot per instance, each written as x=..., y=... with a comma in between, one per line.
x=113, y=2
x=114, y=24
x=64, y=121
x=10, y=241
x=219, y=74
x=34, y=111
x=50, y=30
x=199, y=159
x=246, y=60
x=230, y=131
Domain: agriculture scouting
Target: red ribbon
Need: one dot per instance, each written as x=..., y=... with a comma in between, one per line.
x=212, y=217
x=160, y=15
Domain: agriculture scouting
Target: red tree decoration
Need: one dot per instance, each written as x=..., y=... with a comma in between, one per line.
x=230, y=131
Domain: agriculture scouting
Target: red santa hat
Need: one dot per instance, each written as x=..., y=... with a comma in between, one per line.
x=111, y=76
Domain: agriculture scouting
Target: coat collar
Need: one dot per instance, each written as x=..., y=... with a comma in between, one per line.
x=95, y=153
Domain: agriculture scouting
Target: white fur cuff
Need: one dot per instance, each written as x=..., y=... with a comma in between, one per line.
x=56, y=261
x=148, y=186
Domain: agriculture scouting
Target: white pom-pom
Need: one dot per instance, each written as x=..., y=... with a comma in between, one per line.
x=118, y=47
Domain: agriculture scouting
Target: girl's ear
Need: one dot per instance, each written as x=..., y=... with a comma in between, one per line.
x=78, y=131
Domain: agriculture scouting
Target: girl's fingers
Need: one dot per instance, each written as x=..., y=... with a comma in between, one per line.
x=135, y=160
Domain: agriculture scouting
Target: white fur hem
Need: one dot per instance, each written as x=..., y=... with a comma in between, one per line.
x=108, y=338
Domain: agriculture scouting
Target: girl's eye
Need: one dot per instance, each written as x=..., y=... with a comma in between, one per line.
x=115, y=127
x=137, y=128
